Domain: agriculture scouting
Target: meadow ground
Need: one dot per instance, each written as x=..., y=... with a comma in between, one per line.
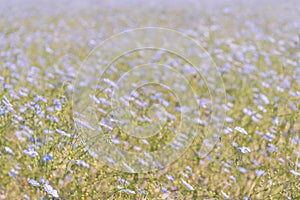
x=47, y=64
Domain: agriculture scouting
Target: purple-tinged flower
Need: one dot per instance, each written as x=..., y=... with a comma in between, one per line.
x=57, y=104
x=110, y=82
x=234, y=144
x=264, y=98
x=13, y=173
x=185, y=175
x=142, y=191
x=47, y=157
x=31, y=152
x=244, y=149
x=143, y=162
x=243, y=170
x=295, y=173
x=260, y=172
x=229, y=120
x=111, y=160
x=33, y=182
x=248, y=111
x=255, y=162
x=63, y=133
x=48, y=132
x=226, y=196
x=165, y=190
x=200, y=121
x=123, y=181
x=268, y=136
x=261, y=108
x=170, y=178
x=137, y=148
x=272, y=148
x=52, y=118
x=232, y=178
x=128, y=191
x=276, y=121
x=9, y=150
x=241, y=130
x=33, y=139
x=40, y=98
x=188, y=186
x=83, y=163
x=128, y=167
x=49, y=189
x=119, y=187
x=227, y=130
x=189, y=169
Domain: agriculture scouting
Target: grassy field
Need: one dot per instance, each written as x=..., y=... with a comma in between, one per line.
x=49, y=56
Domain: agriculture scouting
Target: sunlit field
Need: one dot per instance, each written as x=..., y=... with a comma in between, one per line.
x=50, y=56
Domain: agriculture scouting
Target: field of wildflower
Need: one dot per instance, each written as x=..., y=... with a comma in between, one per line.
x=61, y=138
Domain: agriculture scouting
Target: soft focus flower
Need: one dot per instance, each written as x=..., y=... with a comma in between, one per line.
x=128, y=191
x=241, y=130
x=295, y=173
x=188, y=186
x=260, y=172
x=31, y=152
x=47, y=157
x=33, y=182
x=244, y=149
x=9, y=150
x=225, y=195
x=49, y=189
x=165, y=190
